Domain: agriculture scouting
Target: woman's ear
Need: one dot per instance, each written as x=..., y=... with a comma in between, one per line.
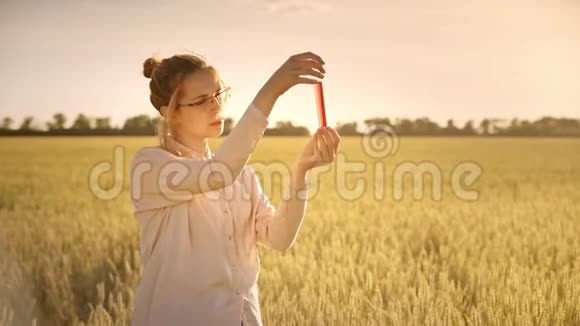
x=164, y=109
x=165, y=113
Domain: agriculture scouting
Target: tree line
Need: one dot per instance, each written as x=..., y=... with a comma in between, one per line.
x=545, y=126
x=137, y=125
x=145, y=125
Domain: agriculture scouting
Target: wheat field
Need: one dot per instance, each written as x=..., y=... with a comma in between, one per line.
x=510, y=257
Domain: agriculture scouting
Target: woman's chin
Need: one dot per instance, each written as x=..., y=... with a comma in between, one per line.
x=216, y=132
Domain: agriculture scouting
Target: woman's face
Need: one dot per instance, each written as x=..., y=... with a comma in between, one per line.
x=199, y=121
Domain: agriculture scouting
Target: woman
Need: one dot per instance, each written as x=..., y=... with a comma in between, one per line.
x=198, y=242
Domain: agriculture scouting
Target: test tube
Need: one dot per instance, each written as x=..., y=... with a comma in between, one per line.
x=320, y=104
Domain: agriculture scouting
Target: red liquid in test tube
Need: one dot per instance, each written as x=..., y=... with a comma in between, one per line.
x=320, y=105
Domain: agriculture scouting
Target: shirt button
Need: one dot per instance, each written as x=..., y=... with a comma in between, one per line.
x=230, y=237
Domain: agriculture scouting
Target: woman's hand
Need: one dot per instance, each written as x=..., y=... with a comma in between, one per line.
x=293, y=72
x=320, y=149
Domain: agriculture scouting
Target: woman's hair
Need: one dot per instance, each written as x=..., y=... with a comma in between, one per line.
x=166, y=80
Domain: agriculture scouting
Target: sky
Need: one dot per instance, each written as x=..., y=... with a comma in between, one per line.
x=392, y=58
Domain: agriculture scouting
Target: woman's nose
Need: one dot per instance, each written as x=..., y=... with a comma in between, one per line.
x=215, y=105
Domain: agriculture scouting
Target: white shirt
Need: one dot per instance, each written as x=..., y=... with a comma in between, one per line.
x=198, y=247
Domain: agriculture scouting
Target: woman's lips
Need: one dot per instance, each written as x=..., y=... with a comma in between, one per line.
x=217, y=122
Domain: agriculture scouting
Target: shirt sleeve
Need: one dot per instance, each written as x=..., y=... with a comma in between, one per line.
x=160, y=179
x=277, y=228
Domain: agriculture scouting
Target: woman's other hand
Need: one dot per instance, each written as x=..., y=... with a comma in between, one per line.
x=320, y=150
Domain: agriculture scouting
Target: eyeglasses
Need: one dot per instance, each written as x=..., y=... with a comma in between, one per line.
x=221, y=96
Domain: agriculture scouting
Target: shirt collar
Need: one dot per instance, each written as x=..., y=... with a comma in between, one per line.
x=182, y=150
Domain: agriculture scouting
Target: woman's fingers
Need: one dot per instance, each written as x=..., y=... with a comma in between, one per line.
x=314, y=67
x=312, y=140
x=325, y=142
x=309, y=65
x=313, y=144
x=309, y=72
x=296, y=71
x=330, y=143
x=317, y=152
x=307, y=55
x=335, y=136
x=324, y=148
x=335, y=139
x=309, y=68
x=304, y=80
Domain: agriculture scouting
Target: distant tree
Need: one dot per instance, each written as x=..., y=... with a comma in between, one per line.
x=7, y=122
x=468, y=128
x=524, y=127
x=569, y=123
x=424, y=126
x=228, y=125
x=58, y=122
x=141, y=121
x=349, y=128
x=103, y=123
x=547, y=125
x=155, y=122
x=514, y=124
x=569, y=126
x=82, y=122
x=286, y=128
x=498, y=125
x=140, y=124
x=404, y=126
x=284, y=125
x=27, y=123
x=484, y=126
x=450, y=129
x=369, y=123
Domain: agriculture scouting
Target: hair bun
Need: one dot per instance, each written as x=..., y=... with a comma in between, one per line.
x=149, y=65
